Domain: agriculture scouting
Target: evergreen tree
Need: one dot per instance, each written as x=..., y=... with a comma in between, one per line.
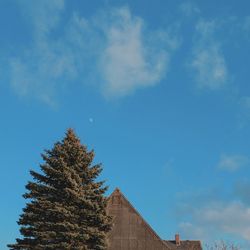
x=66, y=206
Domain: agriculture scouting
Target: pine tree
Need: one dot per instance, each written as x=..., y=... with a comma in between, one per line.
x=66, y=206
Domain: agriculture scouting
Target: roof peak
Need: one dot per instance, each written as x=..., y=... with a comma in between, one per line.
x=116, y=192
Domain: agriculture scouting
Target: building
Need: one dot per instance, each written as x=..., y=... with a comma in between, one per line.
x=132, y=232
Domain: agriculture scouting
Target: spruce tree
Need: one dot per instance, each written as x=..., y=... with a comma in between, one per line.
x=66, y=206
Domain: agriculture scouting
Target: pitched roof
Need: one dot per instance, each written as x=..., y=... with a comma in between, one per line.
x=131, y=232
x=184, y=245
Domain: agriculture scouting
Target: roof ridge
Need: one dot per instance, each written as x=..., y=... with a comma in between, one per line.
x=117, y=190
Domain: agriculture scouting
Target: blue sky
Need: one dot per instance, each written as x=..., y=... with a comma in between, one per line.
x=159, y=89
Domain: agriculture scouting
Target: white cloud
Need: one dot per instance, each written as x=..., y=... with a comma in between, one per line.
x=192, y=231
x=134, y=57
x=208, y=61
x=44, y=15
x=212, y=215
x=233, y=162
x=211, y=71
x=113, y=48
x=216, y=219
x=48, y=61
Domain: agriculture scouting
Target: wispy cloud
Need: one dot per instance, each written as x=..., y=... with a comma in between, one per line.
x=44, y=15
x=233, y=162
x=231, y=218
x=208, y=62
x=48, y=61
x=210, y=217
x=134, y=57
x=113, y=48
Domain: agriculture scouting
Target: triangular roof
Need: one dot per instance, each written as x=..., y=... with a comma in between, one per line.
x=131, y=232
x=128, y=217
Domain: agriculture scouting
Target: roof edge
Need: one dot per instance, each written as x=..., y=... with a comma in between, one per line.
x=117, y=190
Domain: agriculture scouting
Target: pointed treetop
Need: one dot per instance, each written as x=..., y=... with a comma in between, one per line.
x=71, y=136
x=70, y=133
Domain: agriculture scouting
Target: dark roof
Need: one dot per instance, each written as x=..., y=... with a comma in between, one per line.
x=184, y=245
x=131, y=231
